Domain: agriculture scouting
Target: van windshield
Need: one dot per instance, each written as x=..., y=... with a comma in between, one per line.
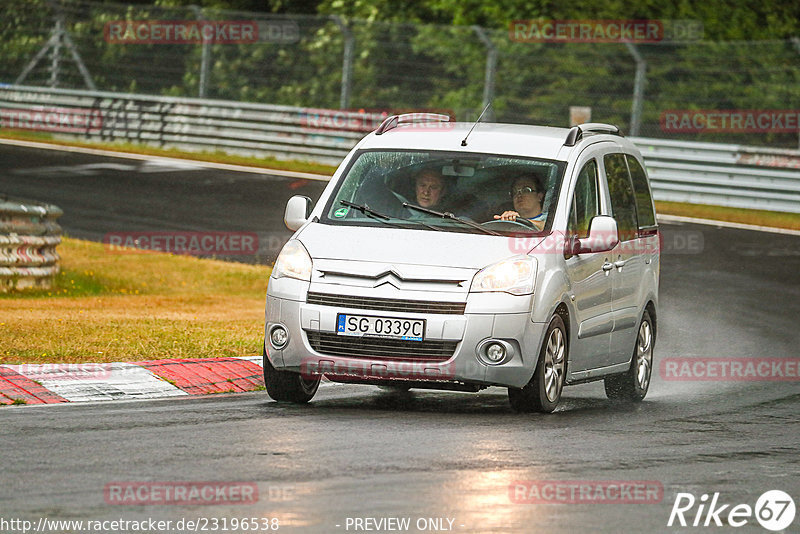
x=444, y=191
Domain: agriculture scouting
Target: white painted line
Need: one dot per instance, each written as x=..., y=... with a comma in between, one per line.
x=165, y=160
x=258, y=360
x=99, y=381
x=724, y=224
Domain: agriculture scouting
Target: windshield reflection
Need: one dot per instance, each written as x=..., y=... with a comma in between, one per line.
x=481, y=193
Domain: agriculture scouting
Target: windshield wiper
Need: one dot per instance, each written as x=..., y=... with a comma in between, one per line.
x=448, y=215
x=366, y=210
x=369, y=212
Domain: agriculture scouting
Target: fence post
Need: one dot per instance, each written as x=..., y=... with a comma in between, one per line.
x=347, y=61
x=796, y=43
x=55, y=51
x=491, y=69
x=638, y=89
x=53, y=45
x=205, y=60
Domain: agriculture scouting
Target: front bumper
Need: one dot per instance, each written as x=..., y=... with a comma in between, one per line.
x=483, y=319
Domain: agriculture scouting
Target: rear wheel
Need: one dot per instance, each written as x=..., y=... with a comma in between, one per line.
x=543, y=392
x=632, y=385
x=288, y=386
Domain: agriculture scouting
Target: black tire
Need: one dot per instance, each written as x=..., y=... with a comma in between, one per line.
x=632, y=385
x=288, y=386
x=552, y=365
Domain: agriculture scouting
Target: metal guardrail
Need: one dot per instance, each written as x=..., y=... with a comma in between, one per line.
x=722, y=174
x=704, y=173
x=188, y=123
x=29, y=236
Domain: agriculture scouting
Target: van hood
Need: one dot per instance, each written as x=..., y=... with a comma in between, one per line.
x=407, y=246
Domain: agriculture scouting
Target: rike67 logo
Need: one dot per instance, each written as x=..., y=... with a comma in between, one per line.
x=774, y=510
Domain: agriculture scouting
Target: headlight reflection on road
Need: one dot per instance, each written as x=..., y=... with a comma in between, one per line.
x=482, y=499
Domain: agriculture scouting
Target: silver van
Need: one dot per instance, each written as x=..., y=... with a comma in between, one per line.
x=448, y=255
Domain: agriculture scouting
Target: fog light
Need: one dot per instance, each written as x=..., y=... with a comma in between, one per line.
x=495, y=352
x=278, y=337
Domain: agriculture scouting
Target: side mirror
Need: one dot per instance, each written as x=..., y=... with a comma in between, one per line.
x=297, y=210
x=603, y=236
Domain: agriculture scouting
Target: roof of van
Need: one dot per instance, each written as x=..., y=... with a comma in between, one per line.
x=494, y=138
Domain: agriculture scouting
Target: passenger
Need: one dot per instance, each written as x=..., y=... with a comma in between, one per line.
x=527, y=195
x=430, y=188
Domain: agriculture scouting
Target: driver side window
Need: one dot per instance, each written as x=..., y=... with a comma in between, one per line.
x=585, y=201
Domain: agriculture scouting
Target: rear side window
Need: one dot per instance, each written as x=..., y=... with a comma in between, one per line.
x=644, y=199
x=585, y=201
x=623, y=201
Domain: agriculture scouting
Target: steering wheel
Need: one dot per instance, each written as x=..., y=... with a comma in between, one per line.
x=521, y=221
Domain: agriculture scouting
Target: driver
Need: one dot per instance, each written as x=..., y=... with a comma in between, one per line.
x=527, y=195
x=429, y=187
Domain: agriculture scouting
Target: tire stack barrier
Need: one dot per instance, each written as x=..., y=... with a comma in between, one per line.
x=29, y=236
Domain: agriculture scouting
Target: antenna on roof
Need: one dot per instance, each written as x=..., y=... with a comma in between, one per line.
x=464, y=141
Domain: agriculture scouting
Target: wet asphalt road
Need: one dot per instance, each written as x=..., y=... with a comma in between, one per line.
x=102, y=196
x=363, y=452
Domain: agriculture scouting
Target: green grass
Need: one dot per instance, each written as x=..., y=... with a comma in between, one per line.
x=108, y=306
x=94, y=269
x=774, y=219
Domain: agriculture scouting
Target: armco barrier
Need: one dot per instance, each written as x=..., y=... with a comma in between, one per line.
x=702, y=173
x=29, y=236
x=722, y=174
x=244, y=128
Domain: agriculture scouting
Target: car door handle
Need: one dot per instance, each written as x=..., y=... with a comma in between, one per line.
x=619, y=264
x=608, y=266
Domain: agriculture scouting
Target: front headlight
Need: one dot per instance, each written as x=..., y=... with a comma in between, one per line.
x=512, y=275
x=293, y=261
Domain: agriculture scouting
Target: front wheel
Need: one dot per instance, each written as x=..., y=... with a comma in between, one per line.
x=288, y=386
x=543, y=392
x=632, y=385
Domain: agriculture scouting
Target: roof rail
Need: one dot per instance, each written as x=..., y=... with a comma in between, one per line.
x=576, y=132
x=410, y=118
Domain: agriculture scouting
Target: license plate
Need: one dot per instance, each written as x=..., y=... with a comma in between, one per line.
x=388, y=327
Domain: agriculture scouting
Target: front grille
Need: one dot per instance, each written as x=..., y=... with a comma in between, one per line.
x=395, y=305
x=381, y=348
